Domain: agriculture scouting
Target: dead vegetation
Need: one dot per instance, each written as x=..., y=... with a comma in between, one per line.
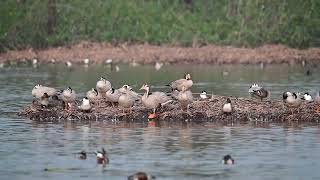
x=200, y=111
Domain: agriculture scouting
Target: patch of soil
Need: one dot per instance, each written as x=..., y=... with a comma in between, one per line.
x=150, y=54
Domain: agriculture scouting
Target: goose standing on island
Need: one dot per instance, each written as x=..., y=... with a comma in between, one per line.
x=68, y=97
x=113, y=96
x=102, y=87
x=185, y=98
x=178, y=84
x=92, y=95
x=127, y=98
x=153, y=100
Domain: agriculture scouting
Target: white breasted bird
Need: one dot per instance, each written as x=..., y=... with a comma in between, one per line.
x=68, y=97
x=228, y=160
x=291, y=100
x=85, y=105
x=203, y=95
x=68, y=64
x=102, y=157
x=307, y=97
x=86, y=61
x=227, y=107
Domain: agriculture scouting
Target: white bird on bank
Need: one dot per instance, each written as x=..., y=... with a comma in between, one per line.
x=85, y=105
x=68, y=64
x=203, y=95
x=86, y=61
x=307, y=97
x=291, y=100
x=227, y=107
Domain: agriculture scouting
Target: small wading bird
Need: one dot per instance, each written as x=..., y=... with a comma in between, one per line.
x=203, y=95
x=307, y=97
x=291, y=100
x=258, y=92
x=178, y=84
x=227, y=107
x=102, y=157
x=228, y=160
x=85, y=105
x=141, y=176
x=153, y=100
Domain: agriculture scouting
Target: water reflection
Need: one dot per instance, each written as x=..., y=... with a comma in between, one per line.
x=180, y=150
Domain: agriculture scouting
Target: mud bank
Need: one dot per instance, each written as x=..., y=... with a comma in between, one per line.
x=149, y=54
x=245, y=110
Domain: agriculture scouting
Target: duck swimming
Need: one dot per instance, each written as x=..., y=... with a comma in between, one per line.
x=228, y=160
x=102, y=157
x=153, y=100
x=227, y=107
x=291, y=100
x=102, y=87
x=85, y=105
x=68, y=97
x=141, y=176
x=258, y=92
x=186, y=82
x=83, y=155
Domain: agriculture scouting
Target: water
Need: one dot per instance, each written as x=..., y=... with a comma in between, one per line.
x=176, y=151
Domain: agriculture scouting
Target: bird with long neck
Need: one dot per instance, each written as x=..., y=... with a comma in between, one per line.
x=153, y=100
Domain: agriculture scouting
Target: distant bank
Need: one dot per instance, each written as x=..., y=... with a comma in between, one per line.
x=150, y=54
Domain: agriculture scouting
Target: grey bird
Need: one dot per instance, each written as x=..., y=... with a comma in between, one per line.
x=102, y=87
x=153, y=100
x=178, y=84
x=68, y=97
x=185, y=98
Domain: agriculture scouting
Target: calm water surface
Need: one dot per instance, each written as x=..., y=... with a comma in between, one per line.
x=179, y=151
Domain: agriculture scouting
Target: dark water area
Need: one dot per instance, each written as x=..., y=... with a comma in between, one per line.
x=168, y=151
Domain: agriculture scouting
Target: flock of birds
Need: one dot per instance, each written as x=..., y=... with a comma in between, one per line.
x=102, y=158
x=125, y=97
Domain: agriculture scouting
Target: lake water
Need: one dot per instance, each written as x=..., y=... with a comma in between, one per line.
x=176, y=151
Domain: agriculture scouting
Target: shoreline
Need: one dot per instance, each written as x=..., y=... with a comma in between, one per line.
x=150, y=54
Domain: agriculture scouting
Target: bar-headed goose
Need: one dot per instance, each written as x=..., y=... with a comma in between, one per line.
x=153, y=100
x=185, y=98
x=186, y=82
x=127, y=98
x=68, y=97
x=92, y=95
x=103, y=86
x=113, y=96
x=39, y=90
